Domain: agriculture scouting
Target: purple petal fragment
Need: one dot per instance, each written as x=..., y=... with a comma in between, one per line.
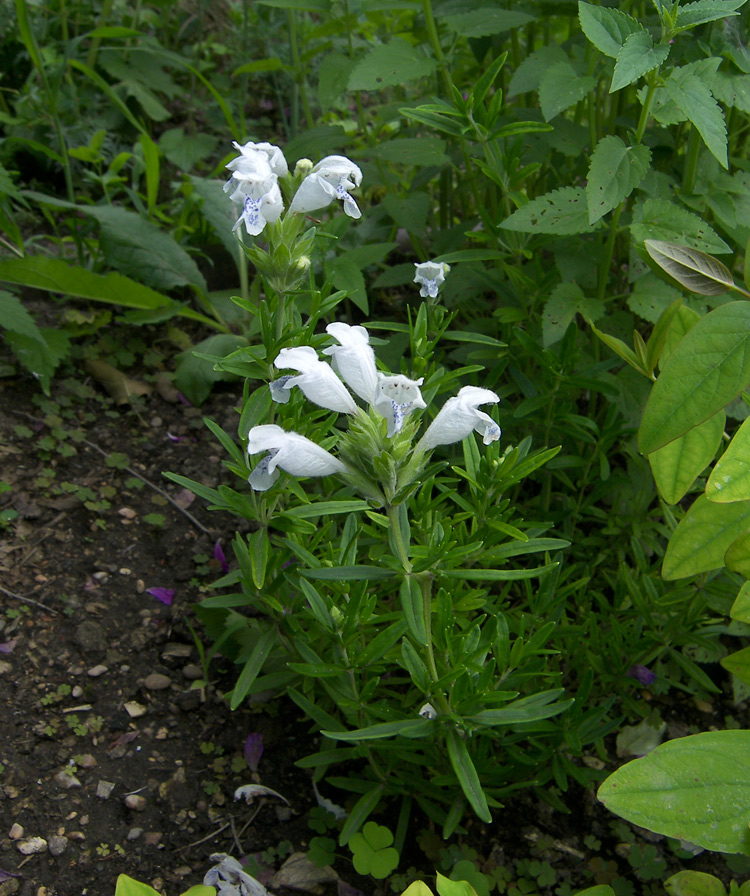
x=253, y=750
x=9, y=646
x=165, y=595
x=221, y=557
x=642, y=674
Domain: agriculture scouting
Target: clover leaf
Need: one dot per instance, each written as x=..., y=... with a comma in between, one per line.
x=372, y=851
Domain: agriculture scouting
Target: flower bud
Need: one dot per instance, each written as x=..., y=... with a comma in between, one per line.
x=303, y=168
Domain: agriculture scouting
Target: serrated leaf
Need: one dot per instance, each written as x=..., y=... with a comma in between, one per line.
x=40, y=357
x=14, y=317
x=730, y=478
x=701, y=11
x=486, y=21
x=659, y=219
x=695, y=270
x=651, y=297
x=562, y=87
x=560, y=212
x=684, y=782
x=637, y=57
x=567, y=300
x=607, y=29
x=396, y=62
x=677, y=465
x=528, y=76
x=615, y=171
x=709, y=368
x=335, y=70
x=699, y=542
x=693, y=98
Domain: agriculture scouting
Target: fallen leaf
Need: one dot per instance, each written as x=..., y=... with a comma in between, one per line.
x=119, y=386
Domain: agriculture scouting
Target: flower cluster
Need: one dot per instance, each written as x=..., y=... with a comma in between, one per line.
x=391, y=397
x=254, y=185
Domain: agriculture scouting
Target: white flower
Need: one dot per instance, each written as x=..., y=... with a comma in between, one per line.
x=332, y=178
x=428, y=711
x=395, y=397
x=257, y=212
x=250, y=151
x=354, y=359
x=430, y=274
x=289, y=451
x=459, y=416
x=316, y=379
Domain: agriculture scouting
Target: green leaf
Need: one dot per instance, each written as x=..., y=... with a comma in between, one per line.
x=363, y=808
x=127, y=886
x=448, y=887
x=738, y=663
x=677, y=465
x=467, y=775
x=195, y=376
x=497, y=575
x=389, y=64
x=700, y=541
x=485, y=21
x=412, y=605
x=218, y=211
x=417, y=727
x=730, y=478
x=420, y=151
x=335, y=70
x=692, y=14
x=560, y=309
x=40, y=356
x=659, y=219
x=694, y=788
x=693, y=98
x=637, y=57
x=607, y=29
x=737, y=557
x=347, y=276
x=14, y=317
x=561, y=212
x=709, y=368
x=741, y=606
x=695, y=270
x=562, y=87
x=325, y=508
x=615, y=171
x=252, y=667
x=527, y=709
x=184, y=151
x=410, y=212
x=140, y=249
x=350, y=573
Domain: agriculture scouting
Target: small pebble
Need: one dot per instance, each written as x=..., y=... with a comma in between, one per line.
x=5, y=668
x=32, y=846
x=152, y=838
x=16, y=832
x=156, y=681
x=134, y=710
x=76, y=835
x=96, y=671
x=192, y=672
x=124, y=571
x=65, y=780
x=140, y=586
x=57, y=844
x=176, y=649
x=136, y=802
x=127, y=513
x=77, y=692
x=104, y=789
x=87, y=761
x=134, y=833
x=183, y=871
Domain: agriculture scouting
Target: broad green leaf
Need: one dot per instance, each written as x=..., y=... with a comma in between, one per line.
x=335, y=70
x=637, y=57
x=695, y=270
x=659, y=219
x=700, y=541
x=467, y=774
x=693, y=98
x=14, y=317
x=396, y=62
x=684, y=321
x=410, y=212
x=730, y=478
x=678, y=464
x=567, y=300
x=737, y=557
x=347, y=276
x=651, y=296
x=709, y=368
x=486, y=21
x=741, y=606
x=218, y=211
x=140, y=249
x=419, y=151
x=691, y=14
x=448, y=887
x=528, y=76
x=562, y=87
x=184, y=151
x=363, y=808
x=195, y=376
x=607, y=29
x=693, y=883
x=615, y=171
x=693, y=788
x=560, y=212
x=40, y=355
x=128, y=886
x=738, y=664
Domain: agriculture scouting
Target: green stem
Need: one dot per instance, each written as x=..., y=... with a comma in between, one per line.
x=103, y=19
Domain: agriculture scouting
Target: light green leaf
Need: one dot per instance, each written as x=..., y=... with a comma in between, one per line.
x=325, y=508
x=659, y=219
x=528, y=76
x=417, y=727
x=527, y=709
x=40, y=356
x=565, y=301
x=467, y=774
x=701, y=11
x=730, y=478
x=738, y=664
x=615, y=171
x=637, y=57
x=607, y=29
x=396, y=62
x=347, y=276
x=349, y=573
x=741, y=606
x=651, y=296
x=486, y=21
x=737, y=557
x=681, y=323
x=184, y=151
x=498, y=575
x=694, y=788
x=448, y=887
x=14, y=317
x=677, y=465
x=693, y=98
x=128, y=886
x=562, y=212
x=419, y=151
x=253, y=665
x=561, y=87
x=709, y=367
x=700, y=541
x=140, y=249
x=695, y=270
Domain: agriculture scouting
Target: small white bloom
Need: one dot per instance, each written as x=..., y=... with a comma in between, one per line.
x=395, y=397
x=316, y=379
x=257, y=212
x=459, y=416
x=354, y=359
x=428, y=711
x=332, y=178
x=289, y=451
x=430, y=275
x=250, y=151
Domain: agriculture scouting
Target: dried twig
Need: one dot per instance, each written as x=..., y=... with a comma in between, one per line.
x=28, y=600
x=207, y=837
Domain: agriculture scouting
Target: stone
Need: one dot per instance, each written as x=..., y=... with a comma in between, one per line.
x=32, y=846
x=96, y=671
x=136, y=802
x=66, y=780
x=192, y=672
x=87, y=761
x=152, y=838
x=156, y=681
x=57, y=845
x=177, y=649
x=134, y=833
x=5, y=668
x=104, y=789
x=134, y=710
x=15, y=832
x=90, y=637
